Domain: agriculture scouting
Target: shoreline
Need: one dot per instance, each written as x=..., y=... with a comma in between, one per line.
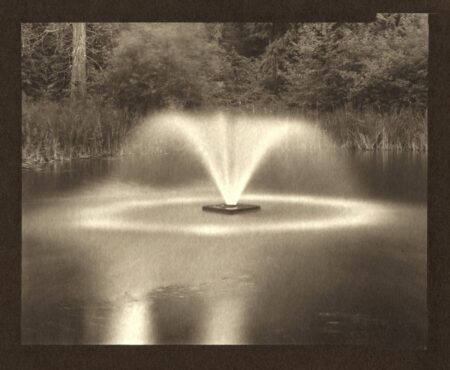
x=36, y=165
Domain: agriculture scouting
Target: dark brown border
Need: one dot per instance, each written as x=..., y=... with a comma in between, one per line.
x=16, y=356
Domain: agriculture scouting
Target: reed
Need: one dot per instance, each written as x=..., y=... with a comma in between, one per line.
x=402, y=130
x=64, y=130
x=366, y=129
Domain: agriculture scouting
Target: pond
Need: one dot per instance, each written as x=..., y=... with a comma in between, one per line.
x=119, y=251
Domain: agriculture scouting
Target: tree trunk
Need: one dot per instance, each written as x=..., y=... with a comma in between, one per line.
x=78, y=78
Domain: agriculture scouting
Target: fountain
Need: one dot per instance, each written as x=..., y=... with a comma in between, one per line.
x=231, y=209
x=230, y=147
x=138, y=252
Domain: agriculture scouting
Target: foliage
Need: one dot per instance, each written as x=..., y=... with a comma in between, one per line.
x=405, y=129
x=65, y=130
x=47, y=57
x=381, y=65
x=156, y=66
x=362, y=80
x=320, y=66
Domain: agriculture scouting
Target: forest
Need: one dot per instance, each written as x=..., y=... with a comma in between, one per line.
x=85, y=85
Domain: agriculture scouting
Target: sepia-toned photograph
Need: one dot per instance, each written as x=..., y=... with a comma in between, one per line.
x=225, y=183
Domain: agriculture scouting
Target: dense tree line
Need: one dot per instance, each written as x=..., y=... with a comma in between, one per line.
x=85, y=85
x=302, y=66
x=47, y=56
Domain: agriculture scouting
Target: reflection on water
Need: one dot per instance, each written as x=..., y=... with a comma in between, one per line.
x=130, y=324
x=177, y=314
x=362, y=283
x=225, y=322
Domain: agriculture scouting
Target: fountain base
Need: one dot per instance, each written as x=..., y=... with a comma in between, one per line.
x=231, y=209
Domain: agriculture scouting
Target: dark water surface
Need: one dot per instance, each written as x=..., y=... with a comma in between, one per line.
x=118, y=251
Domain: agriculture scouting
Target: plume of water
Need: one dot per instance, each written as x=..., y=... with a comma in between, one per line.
x=230, y=147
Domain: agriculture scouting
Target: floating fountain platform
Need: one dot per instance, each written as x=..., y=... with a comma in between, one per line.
x=231, y=209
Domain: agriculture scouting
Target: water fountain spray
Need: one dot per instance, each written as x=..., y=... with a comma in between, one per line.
x=234, y=179
x=230, y=147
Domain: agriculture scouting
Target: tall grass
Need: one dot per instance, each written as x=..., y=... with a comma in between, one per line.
x=403, y=130
x=397, y=130
x=65, y=130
